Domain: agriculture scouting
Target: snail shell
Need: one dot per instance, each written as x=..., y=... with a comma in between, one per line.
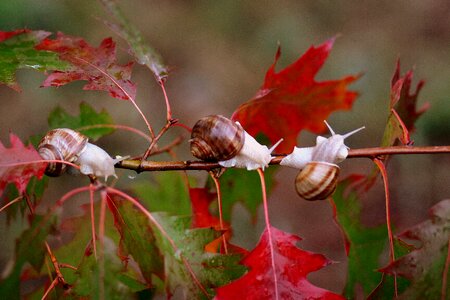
x=216, y=138
x=317, y=180
x=61, y=144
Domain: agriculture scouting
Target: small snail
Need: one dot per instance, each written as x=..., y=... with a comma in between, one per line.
x=216, y=138
x=71, y=146
x=319, y=170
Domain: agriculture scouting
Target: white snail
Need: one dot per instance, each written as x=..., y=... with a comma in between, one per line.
x=71, y=146
x=319, y=170
x=216, y=138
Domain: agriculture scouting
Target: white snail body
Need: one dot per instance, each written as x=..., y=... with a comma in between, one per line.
x=216, y=138
x=71, y=146
x=317, y=179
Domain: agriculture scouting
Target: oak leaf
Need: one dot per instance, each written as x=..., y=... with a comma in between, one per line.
x=292, y=266
x=425, y=265
x=291, y=100
x=16, y=164
x=96, y=65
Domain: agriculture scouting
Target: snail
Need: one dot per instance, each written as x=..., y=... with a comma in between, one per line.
x=319, y=170
x=71, y=146
x=217, y=138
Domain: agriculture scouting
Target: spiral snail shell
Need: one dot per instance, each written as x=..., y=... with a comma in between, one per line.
x=61, y=144
x=319, y=173
x=69, y=145
x=217, y=138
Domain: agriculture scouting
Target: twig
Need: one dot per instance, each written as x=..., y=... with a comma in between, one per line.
x=372, y=153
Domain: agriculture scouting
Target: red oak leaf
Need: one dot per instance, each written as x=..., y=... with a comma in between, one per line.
x=403, y=107
x=291, y=100
x=4, y=35
x=201, y=199
x=96, y=65
x=292, y=265
x=16, y=164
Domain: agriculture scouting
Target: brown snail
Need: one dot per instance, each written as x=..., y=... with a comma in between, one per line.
x=317, y=179
x=71, y=146
x=217, y=138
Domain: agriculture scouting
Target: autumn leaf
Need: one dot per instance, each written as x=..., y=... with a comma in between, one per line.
x=16, y=164
x=364, y=244
x=136, y=238
x=291, y=100
x=30, y=249
x=292, y=266
x=17, y=51
x=403, y=106
x=96, y=65
x=210, y=270
x=425, y=265
x=201, y=199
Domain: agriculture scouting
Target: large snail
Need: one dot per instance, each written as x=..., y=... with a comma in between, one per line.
x=317, y=179
x=71, y=146
x=217, y=138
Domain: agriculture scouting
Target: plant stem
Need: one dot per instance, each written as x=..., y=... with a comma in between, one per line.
x=376, y=152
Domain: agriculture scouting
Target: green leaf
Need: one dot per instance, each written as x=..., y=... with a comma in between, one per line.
x=136, y=238
x=85, y=121
x=144, y=54
x=212, y=270
x=365, y=244
x=18, y=52
x=167, y=193
x=30, y=248
x=239, y=185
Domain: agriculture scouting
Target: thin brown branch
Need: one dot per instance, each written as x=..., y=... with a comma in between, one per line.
x=376, y=152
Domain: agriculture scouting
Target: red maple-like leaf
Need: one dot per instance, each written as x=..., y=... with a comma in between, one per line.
x=292, y=265
x=291, y=100
x=16, y=164
x=404, y=112
x=201, y=198
x=4, y=35
x=96, y=65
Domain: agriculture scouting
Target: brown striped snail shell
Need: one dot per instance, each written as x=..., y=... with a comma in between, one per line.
x=317, y=180
x=61, y=144
x=216, y=138
x=318, y=176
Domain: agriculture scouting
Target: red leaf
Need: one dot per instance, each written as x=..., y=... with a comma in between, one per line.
x=12, y=169
x=4, y=35
x=201, y=199
x=403, y=106
x=291, y=100
x=292, y=265
x=96, y=65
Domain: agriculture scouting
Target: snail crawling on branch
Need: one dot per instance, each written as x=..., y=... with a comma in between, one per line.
x=319, y=170
x=217, y=138
x=69, y=145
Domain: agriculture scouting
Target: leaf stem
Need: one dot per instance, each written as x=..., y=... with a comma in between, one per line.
x=269, y=231
x=372, y=153
x=384, y=175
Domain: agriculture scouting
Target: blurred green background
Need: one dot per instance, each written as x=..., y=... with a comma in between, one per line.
x=219, y=51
